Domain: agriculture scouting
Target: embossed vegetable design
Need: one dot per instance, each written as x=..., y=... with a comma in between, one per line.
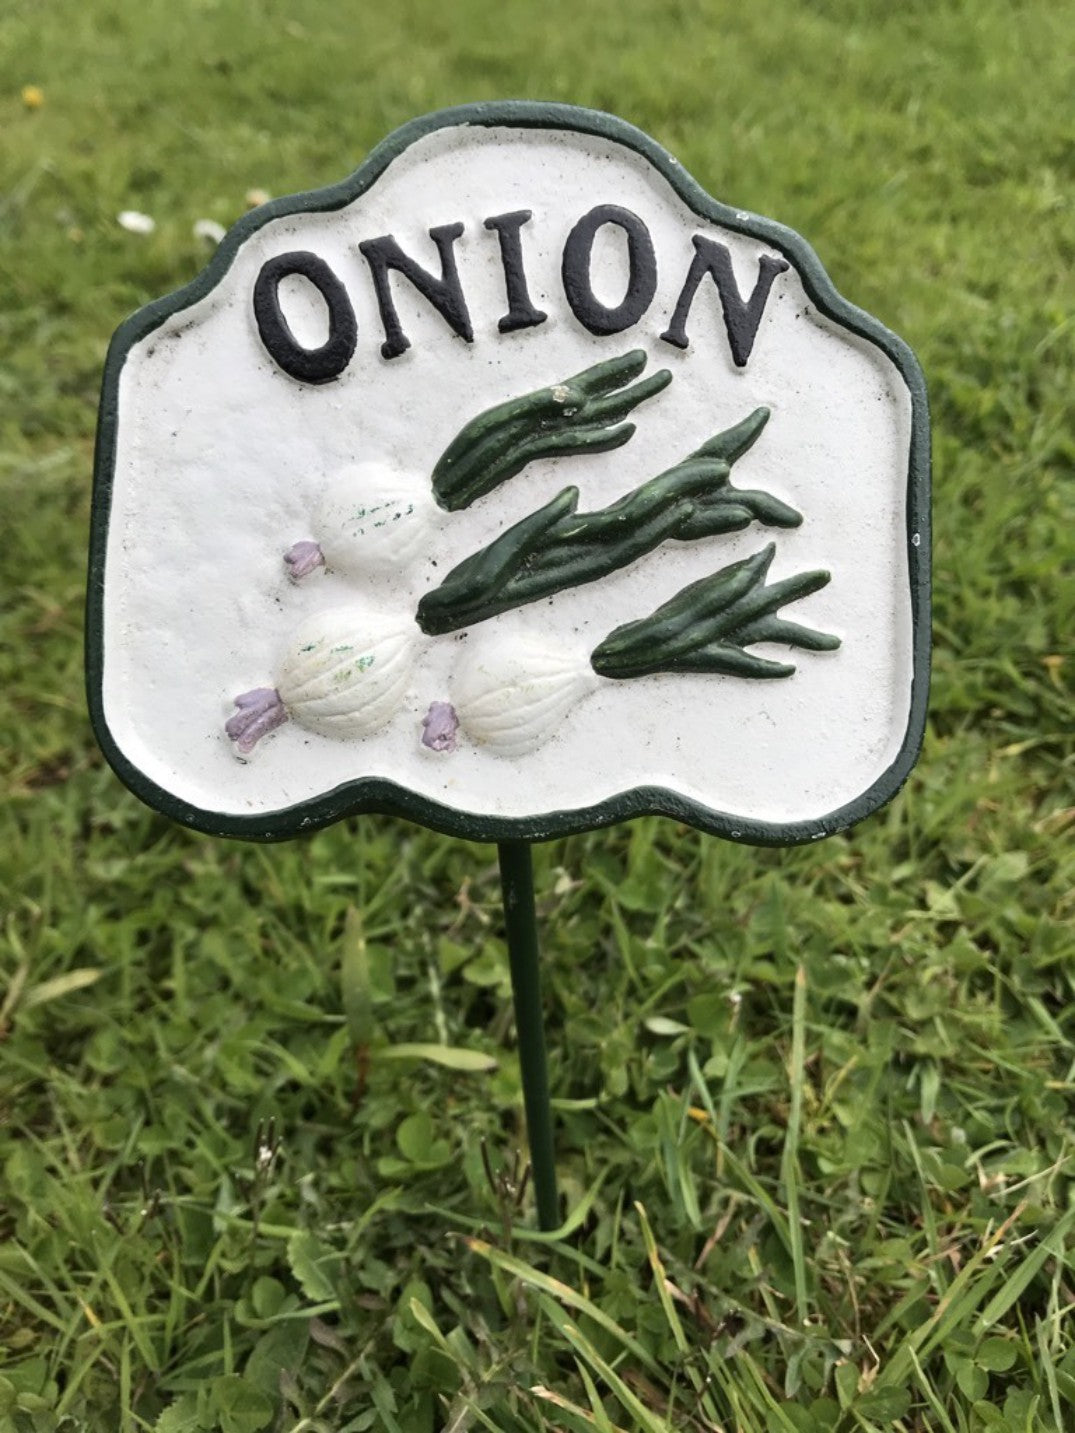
x=558, y=547
x=707, y=626
x=511, y=695
x=511, y=692
x=343, y=673
x=370, y=521
x=583, y=414
x=346, y=671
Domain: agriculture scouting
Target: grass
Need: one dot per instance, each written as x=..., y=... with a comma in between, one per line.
x=814, y=1106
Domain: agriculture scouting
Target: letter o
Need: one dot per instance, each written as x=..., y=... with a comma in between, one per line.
x=309, y=365
x=642, y=278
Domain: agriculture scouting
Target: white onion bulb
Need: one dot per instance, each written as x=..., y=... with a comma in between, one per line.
x=511, y=692
x=374, y=520
x=345, y=671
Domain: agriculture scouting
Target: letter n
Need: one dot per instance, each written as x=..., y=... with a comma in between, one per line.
x=741, y=318
x=444, y=293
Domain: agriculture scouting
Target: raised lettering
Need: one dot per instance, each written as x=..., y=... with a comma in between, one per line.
x=521, y=312
x=741, y=318
x=444, y=293
x=309, y=365
x=642, y=277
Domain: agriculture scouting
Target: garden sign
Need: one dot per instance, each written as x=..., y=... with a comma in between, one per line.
x=516, y=486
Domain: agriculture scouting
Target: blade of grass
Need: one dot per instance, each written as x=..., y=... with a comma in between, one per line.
x=355, y=980
x=452, y=1057
x=965, y=1293
x=1015, y=1287
x=383, y=1400
x=586, y=1418
x=660, y=1280
x=1048, y=1371
x=563, y=1293
x=735, y=1165
x=600, y=1418
x=552, y=1237
x=646, y=1421
x=30, y=1304
x=929, y=1219
x=763, y=1402
x=945, y=1424
x=135, y=1322
x=789, y=1167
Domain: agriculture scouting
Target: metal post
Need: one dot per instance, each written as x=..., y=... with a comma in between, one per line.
x=517, y=884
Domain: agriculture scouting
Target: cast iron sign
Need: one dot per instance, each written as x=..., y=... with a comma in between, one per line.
x=516, y=486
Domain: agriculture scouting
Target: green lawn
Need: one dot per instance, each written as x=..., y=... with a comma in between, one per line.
x=814, y=1106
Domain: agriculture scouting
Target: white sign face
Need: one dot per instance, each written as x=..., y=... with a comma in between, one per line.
x=514, y=485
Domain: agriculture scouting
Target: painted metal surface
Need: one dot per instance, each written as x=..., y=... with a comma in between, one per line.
x=517, y=486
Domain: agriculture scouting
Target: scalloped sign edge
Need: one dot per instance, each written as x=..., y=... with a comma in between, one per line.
x=380, y=796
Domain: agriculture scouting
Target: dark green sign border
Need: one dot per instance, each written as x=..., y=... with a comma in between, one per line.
x=377, y=795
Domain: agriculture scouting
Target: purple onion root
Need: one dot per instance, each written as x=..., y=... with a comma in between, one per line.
x=260, y=712
x=439, y=727
x=301, y=558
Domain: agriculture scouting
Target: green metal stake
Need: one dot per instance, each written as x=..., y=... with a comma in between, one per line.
x=517, y=883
